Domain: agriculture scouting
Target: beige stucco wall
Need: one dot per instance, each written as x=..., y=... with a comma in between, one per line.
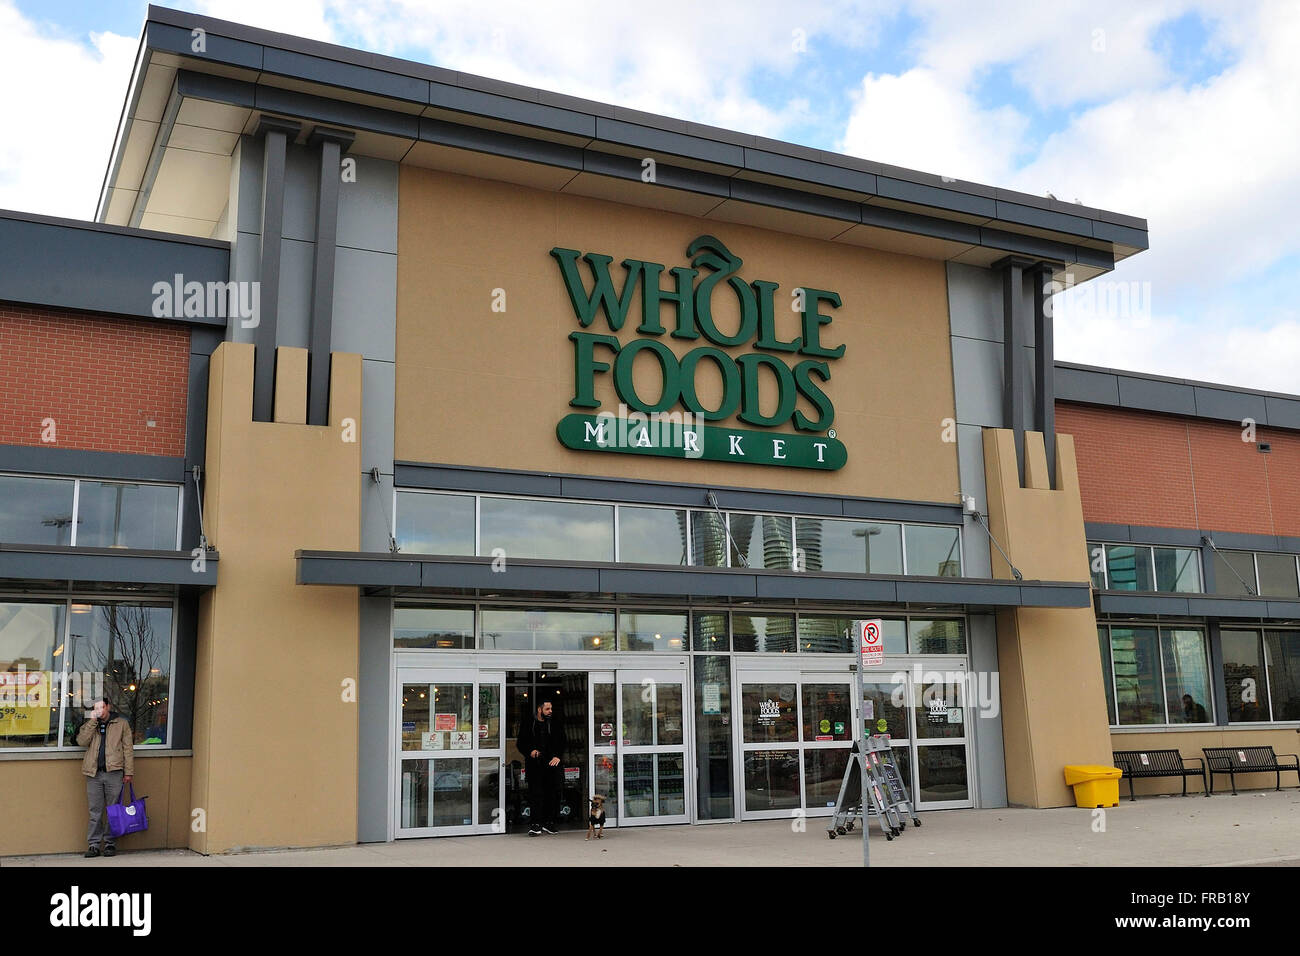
x=1053, y=698
x=43, y=804
x=485, y=388
x=275, y=738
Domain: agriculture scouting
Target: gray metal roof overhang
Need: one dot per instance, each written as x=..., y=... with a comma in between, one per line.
x=473, y=577
x=1223, y=607
x=32, y=566
x=399, y=108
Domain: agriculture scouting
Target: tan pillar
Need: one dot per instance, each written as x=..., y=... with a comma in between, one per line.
x=275, y=726
x=1053, y=696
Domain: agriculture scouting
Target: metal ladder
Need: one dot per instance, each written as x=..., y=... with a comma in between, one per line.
x=884, y=791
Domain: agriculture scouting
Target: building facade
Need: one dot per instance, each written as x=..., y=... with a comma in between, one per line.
x=380, y=402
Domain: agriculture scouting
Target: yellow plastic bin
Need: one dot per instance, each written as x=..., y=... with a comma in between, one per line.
x=1094, y=785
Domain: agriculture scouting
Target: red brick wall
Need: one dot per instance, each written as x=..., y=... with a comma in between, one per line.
x=1144, y=468
x=101, y=381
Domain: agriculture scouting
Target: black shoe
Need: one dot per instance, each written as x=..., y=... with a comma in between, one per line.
x=110, y=850
x=547, y=828
x=532, y=831
x=92, y=851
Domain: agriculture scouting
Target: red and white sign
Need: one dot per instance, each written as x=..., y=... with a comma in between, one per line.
x=444, y=721
x=872, y=641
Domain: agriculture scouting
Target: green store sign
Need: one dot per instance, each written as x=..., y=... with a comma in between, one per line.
x=670, y=422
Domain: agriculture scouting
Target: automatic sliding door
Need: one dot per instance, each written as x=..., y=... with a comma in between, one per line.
x=449, y=758
x=652, y=733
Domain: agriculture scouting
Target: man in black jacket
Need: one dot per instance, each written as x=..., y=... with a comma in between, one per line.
x=541, y=741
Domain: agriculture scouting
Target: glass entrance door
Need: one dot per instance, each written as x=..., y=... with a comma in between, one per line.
x=449, y=737
x=650, y=749
x=927, y=722
x=941, y=750
x=796, y=736
x=604, y=737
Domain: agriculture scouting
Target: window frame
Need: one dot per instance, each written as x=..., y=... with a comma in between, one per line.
x=97, y=598
x=76, y=503
x=1160, y=628
x=691, y=511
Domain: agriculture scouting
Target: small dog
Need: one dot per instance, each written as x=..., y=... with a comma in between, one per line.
x=596, y=819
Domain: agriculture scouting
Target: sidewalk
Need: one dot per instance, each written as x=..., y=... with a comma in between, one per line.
x=1255, y=828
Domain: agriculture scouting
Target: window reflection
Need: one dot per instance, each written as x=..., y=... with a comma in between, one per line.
x=856, y=547
x=933, y=551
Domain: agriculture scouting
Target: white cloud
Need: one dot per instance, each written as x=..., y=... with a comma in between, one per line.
x=1213, y=165
x=60, y=113
x=919, y=121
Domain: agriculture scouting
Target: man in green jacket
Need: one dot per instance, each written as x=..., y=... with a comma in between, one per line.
x=109, y=763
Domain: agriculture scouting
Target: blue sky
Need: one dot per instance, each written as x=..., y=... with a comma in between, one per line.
x=1182, y=111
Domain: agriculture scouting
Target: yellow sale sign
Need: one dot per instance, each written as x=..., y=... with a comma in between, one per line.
x=24, y=703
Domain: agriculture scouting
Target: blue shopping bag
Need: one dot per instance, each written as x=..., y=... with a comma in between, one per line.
x=124, y=817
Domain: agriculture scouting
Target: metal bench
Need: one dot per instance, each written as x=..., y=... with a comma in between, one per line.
x=1158, y=763
x=1235, y=760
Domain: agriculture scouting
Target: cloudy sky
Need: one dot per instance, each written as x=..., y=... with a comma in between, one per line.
x=1185, y=113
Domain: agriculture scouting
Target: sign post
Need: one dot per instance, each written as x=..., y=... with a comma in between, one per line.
x=871, y=653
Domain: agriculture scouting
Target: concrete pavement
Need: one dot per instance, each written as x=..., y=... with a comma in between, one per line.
x=1255, y=828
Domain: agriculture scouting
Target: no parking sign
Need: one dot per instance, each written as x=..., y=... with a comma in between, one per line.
x=871, y=641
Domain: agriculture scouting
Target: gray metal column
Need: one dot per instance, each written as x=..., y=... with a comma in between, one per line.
x=275, y=134
x=331, y=142
x=1044, y=367
x=1013, y=350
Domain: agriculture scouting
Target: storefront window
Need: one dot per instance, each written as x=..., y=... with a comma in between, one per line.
x=938, y=637
x=31, y=663
x=858, y=547
x=1107, y=672
x=435, y=524
x=933, y=551
x=439, y=627
x=121, y=515
x=774, y=634
x=708, y=540
x=1128, y=567
x=36, y=510
x=651, y=631
x=1234, y=572
x=709, y=632
x=1243, y=676
x=1187, y=676
x=1277, y=576
x=651, y=535
x=764, y=541
x=1178, y=569
x=544, y=629
x=1283, y=650
x=825, y=635
x=556, y=530
x=127, y=647
x=1135, y=653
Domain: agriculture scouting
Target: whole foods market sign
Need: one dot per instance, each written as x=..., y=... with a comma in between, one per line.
x=668, y=419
